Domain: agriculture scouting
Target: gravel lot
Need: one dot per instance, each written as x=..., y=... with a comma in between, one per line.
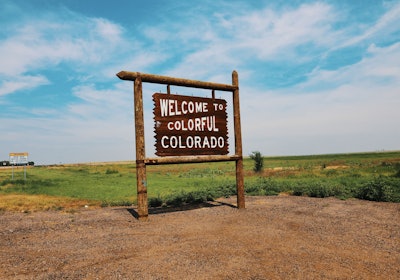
x=282, y=237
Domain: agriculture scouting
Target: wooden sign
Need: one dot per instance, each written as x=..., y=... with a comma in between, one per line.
x=187, y=125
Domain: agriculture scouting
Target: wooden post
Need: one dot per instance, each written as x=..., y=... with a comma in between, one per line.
x=141, y=181
x=238, y=143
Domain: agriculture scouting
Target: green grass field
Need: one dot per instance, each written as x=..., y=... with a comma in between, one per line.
x=372, y=176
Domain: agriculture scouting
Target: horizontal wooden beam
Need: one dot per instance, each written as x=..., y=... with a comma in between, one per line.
x=189, y=159
x=157, y=79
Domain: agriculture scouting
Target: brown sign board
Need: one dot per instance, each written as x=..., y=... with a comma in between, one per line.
x=188, y=125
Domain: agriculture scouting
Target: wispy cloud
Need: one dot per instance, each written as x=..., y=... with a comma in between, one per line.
x=271, y=35
x=227, y=40
x=46, y=41
x=342, y=110
x=380, y=66
x=385, y=29
x=23, y=82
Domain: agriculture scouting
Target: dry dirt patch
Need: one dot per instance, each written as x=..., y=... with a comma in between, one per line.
x=273, y=238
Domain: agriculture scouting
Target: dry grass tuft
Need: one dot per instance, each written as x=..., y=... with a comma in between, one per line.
x=34, y=203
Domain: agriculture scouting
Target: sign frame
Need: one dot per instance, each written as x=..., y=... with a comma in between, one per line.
x=141, y=160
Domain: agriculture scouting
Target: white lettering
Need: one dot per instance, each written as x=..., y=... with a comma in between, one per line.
x=165, y=146
x=213, y=142
x=189, y=142
x=164, y=107
x=171, y=107
x=191, y=107
x=197, y=142
x=206, y=123
x=201, y=107
x=206, y=143
x=218, y=106
x=203, y=123
x=173, y=142
x=210, y=123
x=181, y=146
x=190, y=124
x=177, y=112
x=221, y=142
x=192, y=142
x=197, y=123
x=184, y=128
x=215, y=128
x=177, y=125
x=184, y=110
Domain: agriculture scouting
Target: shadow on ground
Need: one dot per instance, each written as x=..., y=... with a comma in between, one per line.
x=186, y=207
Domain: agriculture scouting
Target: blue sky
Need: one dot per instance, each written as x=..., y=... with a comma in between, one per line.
x=315, y=77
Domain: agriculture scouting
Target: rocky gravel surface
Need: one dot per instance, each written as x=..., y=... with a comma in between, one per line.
x=282, y=237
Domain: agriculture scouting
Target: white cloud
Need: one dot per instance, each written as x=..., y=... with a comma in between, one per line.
x=270, y=34
x=107, y=104
x=23, y=82
x=109, y=31
x=43, y=42
x=379, y=66
x=236, y=41
x=387, y=25
x=68, y=139
x=97, y=128
x=358, y=111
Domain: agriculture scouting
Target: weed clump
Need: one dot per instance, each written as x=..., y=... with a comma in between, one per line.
x=112, y=171
x=258, y=161
x=155, y=201
x=397, y=170
x=194, y=197
x=380, y=189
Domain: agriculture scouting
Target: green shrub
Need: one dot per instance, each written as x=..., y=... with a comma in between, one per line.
x=175, y=200
x=319, y=189
x=273, y=187
x=155, y=201
x=397, y=169
x=258, y=161
x=112, y=171
x=380, y=189
x=254, y=189
x=14, y=182
x=198, y=196
x=330, y=172
x=298, y=191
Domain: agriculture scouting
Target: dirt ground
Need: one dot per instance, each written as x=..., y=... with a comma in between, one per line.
x=282, y=237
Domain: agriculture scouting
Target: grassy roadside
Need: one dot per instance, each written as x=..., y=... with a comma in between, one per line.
x=372, y=176
x=30, y=203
